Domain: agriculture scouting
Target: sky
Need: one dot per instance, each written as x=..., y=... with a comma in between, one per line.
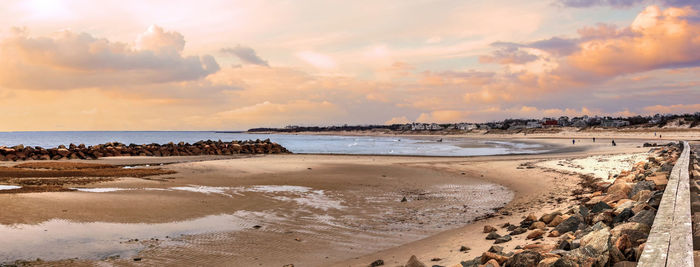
x=234, y=65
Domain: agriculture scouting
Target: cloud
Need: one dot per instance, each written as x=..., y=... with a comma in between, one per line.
x=398, y=120
x=443, y=116
x=659, y=39
x=246, y=54
x=269, y=114
x=79, y=60
x=675, y=109
x=508, y=54
x=317, y=60
x=590, y=3
x=624, y=3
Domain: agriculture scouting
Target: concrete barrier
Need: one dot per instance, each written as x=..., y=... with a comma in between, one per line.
x=670, y=241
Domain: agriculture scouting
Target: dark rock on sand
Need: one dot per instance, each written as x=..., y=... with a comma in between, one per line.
x=570, y=225
x=492, y=236
x=376, y=263
x=503, y=239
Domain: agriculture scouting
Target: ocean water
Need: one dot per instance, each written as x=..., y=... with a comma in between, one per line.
x=316, y=144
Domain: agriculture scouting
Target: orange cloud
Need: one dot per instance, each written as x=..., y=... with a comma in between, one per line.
x=79, y=60
x=679, y=108
x=656, y=39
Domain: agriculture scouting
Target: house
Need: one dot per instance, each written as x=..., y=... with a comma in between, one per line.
x=416, y=126
x=533, y=124
x=550, y=123
x=579, y=123
x=614, y=123
x=466, y=126
x=434, y=127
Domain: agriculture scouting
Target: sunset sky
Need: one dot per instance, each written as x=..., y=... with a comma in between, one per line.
x=232, y=65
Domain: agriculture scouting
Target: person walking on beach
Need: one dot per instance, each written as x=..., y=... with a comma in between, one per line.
x=573, y=141
x=613, y=143
x=593, y=139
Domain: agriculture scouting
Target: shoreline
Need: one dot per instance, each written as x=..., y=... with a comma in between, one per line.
x=499, y=169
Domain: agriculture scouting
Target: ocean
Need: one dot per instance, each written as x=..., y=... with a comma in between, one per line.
x=303, y=144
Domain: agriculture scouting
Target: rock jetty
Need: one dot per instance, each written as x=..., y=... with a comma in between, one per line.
x=209, y=147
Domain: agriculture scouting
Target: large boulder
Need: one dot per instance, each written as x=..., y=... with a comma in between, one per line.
x=636, y=231
x=524, y=259
x=644, y=217
x=487, y=256
x=570, y=225
x=659, y=179
x=640, y=186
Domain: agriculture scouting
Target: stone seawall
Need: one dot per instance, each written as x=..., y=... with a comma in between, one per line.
x=114, y=149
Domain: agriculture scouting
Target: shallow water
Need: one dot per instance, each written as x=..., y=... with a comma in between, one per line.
x=320, y=144
x=320, y=214
x=9, y=187
x=61, y=239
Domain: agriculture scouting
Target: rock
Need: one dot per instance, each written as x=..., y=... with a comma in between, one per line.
x=496, y=249
x=597, y=240
x=600, y=206
x=548, y=262
x=537, y=225
x=556, y=221
x=535, y=234
x=640, y=206
x=554, y=233
x=547, y=218
x=569, y=225
x=634, y=230
x=512, y=227
x=503, y=239
x=518, y=231
x=414, y=262
x=491, y=263
x=404, y=199
x=655, y=199
x=492, y=236
x=565, y=262
x=524, y=259
x=659, y=179
x=623, y=242
x=625, y=264
x=487, y=256
x=622, y=206
x=376, y=263
x=531, y=217
x=564, y=245
x=623, y=216
x=489, y=228
x=644, y=217
x=464, y=249
x=618, y=191
x=641, y=186
x=605, y=217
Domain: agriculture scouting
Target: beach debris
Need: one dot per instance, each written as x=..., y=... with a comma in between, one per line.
x=464, y=249
x=489, y=228
x=404, y=199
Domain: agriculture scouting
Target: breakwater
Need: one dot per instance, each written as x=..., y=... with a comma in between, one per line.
x=115, y=149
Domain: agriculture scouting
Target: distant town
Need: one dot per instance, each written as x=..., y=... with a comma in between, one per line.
x=516, y=125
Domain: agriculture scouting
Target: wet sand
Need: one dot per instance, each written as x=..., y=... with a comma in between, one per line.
x=342, y=210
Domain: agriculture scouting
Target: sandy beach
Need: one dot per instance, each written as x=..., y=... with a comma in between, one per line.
x=306, y=210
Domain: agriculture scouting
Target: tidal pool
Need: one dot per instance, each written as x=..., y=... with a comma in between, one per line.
x=61, y=239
